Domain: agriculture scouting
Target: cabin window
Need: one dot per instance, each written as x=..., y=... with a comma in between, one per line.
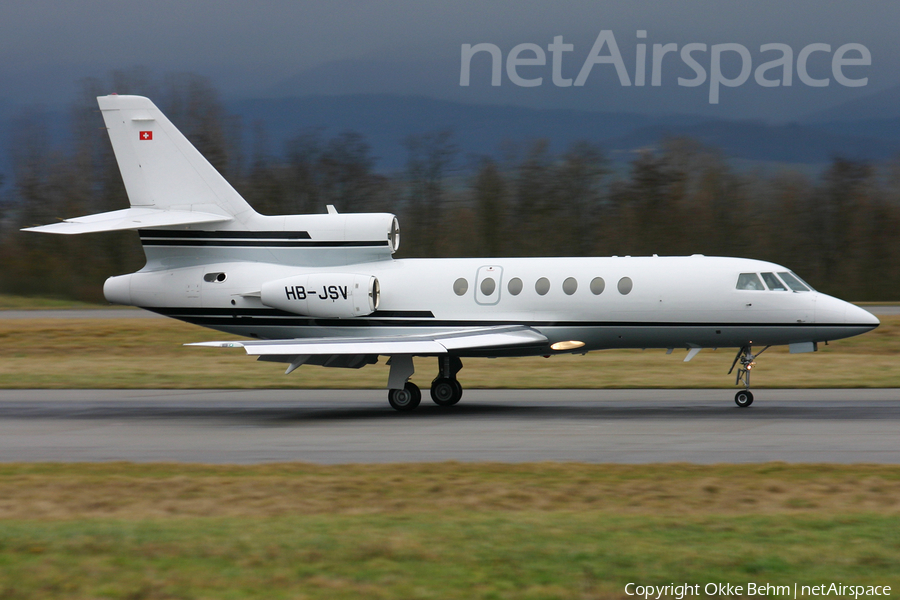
x=488, y=285
x=570, y=286
x=515, y=286
x=597, y=286
x=625, y=285
x=773, y=282
x=461, y=286
x=749, y=281
x=542, y=286
x=793, y=282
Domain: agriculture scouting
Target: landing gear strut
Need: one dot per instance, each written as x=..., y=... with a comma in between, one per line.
x=744, y=398
x=445, y=389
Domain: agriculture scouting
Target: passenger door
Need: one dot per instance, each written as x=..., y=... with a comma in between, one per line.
x=488, y=282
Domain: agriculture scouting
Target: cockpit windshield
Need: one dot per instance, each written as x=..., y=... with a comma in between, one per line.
x=795, y=283
x=749, y=281
x=773, y=283
x=788, y=280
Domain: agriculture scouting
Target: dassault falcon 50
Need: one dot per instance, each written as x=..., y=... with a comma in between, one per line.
x=323, y=289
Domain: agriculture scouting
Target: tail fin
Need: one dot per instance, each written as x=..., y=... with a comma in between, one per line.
x=167, y=180
x=160, y=167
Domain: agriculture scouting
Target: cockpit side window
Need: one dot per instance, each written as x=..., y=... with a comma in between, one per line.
x=749, y=281
x=773, y=282
x=793, y=282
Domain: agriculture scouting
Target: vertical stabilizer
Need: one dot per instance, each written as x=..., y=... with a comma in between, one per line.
x=161, y=169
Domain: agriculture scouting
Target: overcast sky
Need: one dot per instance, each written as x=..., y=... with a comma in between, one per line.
x=247, y=48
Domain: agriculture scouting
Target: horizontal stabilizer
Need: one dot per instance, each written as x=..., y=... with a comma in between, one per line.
x=130, y=218
x=485, y=338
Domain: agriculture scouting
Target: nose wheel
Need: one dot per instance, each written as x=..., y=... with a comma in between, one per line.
x=747, y=361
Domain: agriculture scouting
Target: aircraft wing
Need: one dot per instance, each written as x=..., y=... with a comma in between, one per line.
x=482, y=338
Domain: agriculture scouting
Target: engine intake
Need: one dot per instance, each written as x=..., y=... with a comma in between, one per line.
x=326, y=295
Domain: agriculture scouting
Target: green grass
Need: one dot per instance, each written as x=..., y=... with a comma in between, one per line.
x=443, y=530
x=10, y=302
x=460, y=556
x=66, y=491
x=139, y=353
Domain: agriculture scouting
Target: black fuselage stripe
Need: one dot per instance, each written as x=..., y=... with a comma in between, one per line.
x=264, y=244
x=274, y=312
x=248, y=235
x=212, y=317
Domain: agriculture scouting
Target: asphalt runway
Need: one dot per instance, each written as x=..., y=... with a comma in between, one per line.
x=337, y=426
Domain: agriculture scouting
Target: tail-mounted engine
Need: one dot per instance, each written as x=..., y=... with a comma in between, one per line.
x=326, y=295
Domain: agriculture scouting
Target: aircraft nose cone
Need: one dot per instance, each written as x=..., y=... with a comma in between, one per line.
x=830, y=310
x=860, y=316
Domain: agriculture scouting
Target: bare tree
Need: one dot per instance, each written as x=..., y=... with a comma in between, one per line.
x=489, y=190
x=431, y=155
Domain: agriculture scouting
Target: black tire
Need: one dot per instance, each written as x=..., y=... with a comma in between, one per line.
x=743, y=398
x=445, y=391
x=406, y=399
x=459, y=390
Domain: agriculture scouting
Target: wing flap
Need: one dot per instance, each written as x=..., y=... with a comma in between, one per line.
x=129, y=218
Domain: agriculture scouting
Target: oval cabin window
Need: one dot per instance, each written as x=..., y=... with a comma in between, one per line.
x=514, y=286
x=488, y=285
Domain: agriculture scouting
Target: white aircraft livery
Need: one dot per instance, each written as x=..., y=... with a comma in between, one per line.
x=324, y=289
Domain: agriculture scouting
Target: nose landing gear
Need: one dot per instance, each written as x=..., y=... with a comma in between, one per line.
x=744, y=398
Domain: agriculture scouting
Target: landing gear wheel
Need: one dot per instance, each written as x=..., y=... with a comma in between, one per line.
x=743, y=398
x=747, y=361
x=406, y=399
x=445, y=391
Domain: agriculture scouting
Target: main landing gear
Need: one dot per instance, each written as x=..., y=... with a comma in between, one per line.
x=445, y=389
x=405, y=399
x=404, y=395
x=744, y=398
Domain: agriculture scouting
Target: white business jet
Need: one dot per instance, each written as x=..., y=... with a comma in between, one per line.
x=324, y=289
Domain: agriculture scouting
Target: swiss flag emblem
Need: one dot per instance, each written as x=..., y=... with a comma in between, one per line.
x=146, y=135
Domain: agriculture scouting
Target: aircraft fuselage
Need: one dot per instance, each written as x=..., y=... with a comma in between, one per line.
x=614, y=302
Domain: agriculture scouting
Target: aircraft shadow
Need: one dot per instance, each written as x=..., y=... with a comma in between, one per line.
x=287, y=414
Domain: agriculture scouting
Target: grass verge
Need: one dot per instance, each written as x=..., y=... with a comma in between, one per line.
x=438, y=530
x=11, y=302
x=139, y=353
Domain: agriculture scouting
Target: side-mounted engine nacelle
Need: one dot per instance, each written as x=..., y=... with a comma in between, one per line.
x=326, y=295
